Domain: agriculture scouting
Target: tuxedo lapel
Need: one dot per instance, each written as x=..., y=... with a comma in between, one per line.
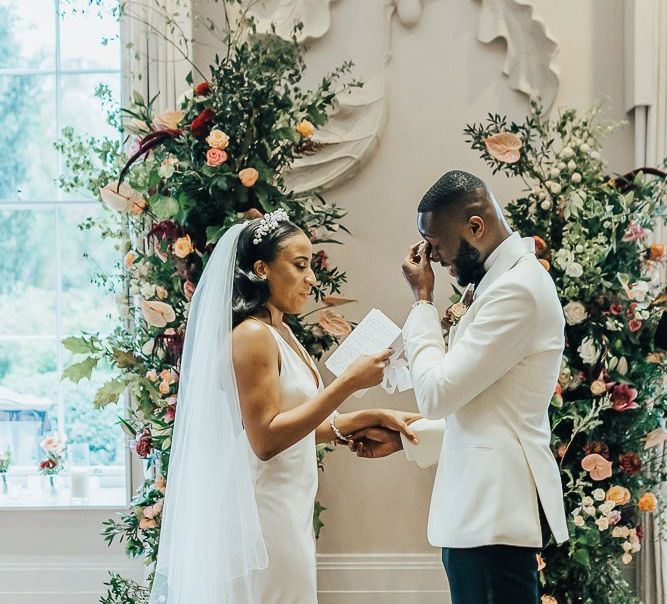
x=514, y=251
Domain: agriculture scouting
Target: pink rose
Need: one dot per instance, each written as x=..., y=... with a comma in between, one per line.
x=635, y=325
x=215, y=157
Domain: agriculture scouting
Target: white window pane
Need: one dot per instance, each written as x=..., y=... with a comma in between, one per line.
x=27, y=34
x=27, y=272
x=81, y=109
x=28, y=395
x=89, y=36
x=86, y=307
x=29, y=161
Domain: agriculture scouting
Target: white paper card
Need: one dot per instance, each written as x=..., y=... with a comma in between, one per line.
x=374, y=333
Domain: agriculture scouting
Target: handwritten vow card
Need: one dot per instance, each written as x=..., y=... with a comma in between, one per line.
x=374, y=333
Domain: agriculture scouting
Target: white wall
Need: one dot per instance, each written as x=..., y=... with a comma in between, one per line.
x=439, y=79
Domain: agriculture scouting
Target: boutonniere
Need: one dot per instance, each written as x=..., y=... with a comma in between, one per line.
x=456, y=311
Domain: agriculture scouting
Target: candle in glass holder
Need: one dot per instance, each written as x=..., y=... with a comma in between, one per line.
x=79, y=483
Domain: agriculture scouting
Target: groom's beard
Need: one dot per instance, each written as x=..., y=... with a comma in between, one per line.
x=469, y=265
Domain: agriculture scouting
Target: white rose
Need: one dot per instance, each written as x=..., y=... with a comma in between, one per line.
x=555, y=188
x=595, y=155
x=576, y=178
x=585, y=148
x=626, y=559
x=620, y=532
x=554, y=172
x=599, y=494
x=579, y=249
x=168, y=167
x=638, y=291
x=575, y=313
x=627, y=546
x=590, y=510
x=603, y=524
x=567, y=153
x=546, y=205
x=134, y=290
x=217, y=139
x=574, y=269
x=587, y=502
x=147, y=290
x=579, y=521
x=588, y=352
x=606, y=507
x=635, y=548
x=571, y=164
x=561, y=165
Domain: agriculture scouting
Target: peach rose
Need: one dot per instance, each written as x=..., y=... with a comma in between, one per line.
x=598, y=387
x=160, y=484
x=334, y=324
x=151, y=375
x=597, y=466
x=122, y=198
x=164, y=387
x=167, y=120
x=619, y=495
x=129, y=259
x=648, y=502
x=248, y=176
x=504, y=146
x=305, y=129
x=157, y=314
x=147, y=523
x=216, y=157
x=217, y=139
x=183, y=246
x=656, y=251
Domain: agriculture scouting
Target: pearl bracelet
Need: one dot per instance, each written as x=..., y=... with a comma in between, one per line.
x=420, y=302
x=335, y=430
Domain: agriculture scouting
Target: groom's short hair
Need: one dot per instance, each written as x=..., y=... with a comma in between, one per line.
x=453, y=189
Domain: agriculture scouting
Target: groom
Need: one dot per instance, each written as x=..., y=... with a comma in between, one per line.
x=497, y=489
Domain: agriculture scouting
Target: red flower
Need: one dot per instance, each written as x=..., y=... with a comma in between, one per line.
x=631, y=309
x=167, y=229
x=202, y=89
x=615, y=309
x=634, y=325
x=200, y=125
x=623, y=398
x=630, y=463
x=170, y=413
x=47, y=464
x=144, y=444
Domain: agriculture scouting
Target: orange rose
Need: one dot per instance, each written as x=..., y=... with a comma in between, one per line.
x=504, y=146
x=248, y=176
x=305, y=129
x=183, y=247
x=648, y=502
x=597, y=466
x=619, y=495
x=656, y=251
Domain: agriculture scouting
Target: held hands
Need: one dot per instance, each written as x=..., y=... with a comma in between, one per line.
x=368, y=370
x=418, y=272
x=384, y=438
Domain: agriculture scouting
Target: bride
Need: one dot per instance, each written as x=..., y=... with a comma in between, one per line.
x=237, y=525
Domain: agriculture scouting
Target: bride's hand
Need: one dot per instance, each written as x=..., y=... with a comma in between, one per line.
x=398, y=421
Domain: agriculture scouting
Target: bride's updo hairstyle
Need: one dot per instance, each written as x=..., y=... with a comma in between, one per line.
x=256, y=242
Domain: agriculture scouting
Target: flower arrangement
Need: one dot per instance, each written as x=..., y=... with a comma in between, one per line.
x=5, y=462
x=53, y=446
x=183, y=177
x=593, y=235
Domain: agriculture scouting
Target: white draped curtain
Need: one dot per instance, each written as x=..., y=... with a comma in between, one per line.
x=646, y=100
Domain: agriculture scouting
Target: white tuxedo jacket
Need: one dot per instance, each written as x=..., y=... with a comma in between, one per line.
x=494, y=386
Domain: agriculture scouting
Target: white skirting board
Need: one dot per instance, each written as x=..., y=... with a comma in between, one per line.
x=342, y=578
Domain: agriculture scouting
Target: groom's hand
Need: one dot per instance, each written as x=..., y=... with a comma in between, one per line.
x=418, y=272
x=375, y=442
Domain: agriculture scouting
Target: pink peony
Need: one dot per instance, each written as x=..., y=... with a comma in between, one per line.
x=623, y=398
x=215, y=157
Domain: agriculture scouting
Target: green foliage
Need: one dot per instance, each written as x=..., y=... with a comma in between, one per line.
x=593, y=235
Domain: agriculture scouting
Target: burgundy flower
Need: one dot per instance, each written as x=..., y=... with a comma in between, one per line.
x=47, y=464
x=598, y=447
x=200, y=125
x=623, y=398
x=167, y=229
x=640, y=531
x=634, y=325
x=202, y=89
x=144, y=444
x=630, y=463
x=615, y=309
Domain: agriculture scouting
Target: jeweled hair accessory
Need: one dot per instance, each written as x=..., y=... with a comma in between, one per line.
x=269, y=223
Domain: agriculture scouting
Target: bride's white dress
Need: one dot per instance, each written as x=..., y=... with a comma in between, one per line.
x=285, y=488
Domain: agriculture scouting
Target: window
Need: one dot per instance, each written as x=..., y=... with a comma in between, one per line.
x=52, y=59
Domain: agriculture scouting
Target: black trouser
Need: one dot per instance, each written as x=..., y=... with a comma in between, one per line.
x=494, y=574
